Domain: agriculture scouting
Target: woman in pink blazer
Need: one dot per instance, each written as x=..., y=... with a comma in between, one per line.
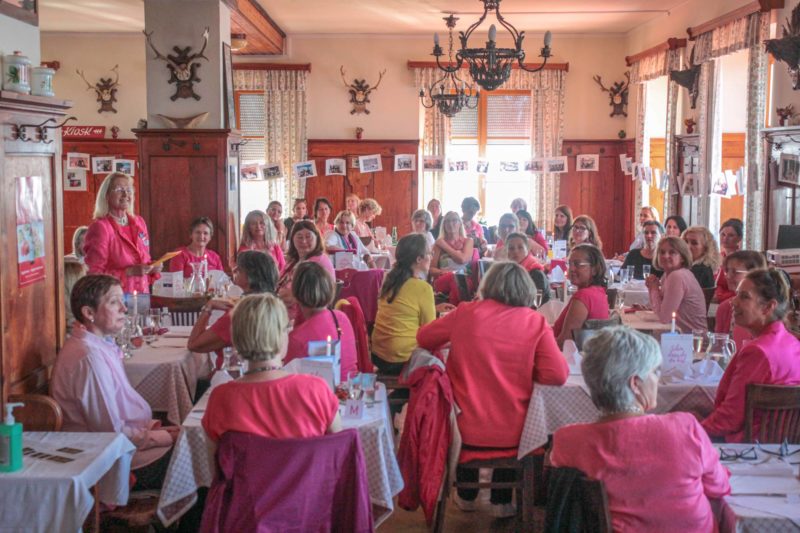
x=117, y=242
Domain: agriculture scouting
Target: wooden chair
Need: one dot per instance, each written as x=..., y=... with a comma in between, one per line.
x=523, y=485
x=599, y=323
x=40, y=413
x=778, y=407
x=708, y=294
x=576, y=502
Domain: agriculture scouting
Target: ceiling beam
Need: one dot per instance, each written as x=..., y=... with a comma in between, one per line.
x=264, y=37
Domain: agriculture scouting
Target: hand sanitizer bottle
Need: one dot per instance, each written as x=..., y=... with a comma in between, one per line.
x=11, y=441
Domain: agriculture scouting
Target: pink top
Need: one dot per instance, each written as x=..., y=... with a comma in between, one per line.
x=110, y=249
x=274, y=250
x=362, y=229
x=324, y=228
x=222, y=327
x=317, y=328
x=491, y=371
x=291, y=407
x=680, y=293
x=473, y=229
x=772, y=358
x=596, y=302
x=287, y=275
x=724, y=324
x=90, y=385
x=184, y=261
x=659, y=470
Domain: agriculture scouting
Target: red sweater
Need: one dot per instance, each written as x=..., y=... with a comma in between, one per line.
x=496, y=356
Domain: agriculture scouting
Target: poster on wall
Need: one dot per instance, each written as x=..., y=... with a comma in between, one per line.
x=126, y=166
x=102, y=165
x=405, y=162
x=588, y=162
x=30, y=230
x=335, y=167
x=74, y=180
x=78, y=161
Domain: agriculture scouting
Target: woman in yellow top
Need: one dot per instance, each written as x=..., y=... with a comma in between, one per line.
x=405, y=304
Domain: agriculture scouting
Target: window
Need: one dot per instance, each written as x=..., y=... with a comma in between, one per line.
x=250, y=116
x=498, y=131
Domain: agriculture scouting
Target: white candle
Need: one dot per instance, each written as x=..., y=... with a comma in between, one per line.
x=135, y=303
x=329, y=346
x=436, y=39
x=548, y=38
x=492, y=33
x=673, y=322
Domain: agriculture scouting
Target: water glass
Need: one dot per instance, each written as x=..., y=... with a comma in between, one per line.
x=631, y=273
x=368, y=382
x=623, y=276
x=353, y=385
x=698, y=336
x=645, y=271
x=537, y=299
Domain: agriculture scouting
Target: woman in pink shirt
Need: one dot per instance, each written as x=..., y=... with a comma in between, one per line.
x=322, y=212
x=736, y=266
x=587, y=271
x=201, y=231
x=275, y=212
x=492, y=371
x=259, y=234
x=267, y=401
x=659, y=471
x=117, y=242
x=90, y=384
x=305, y=244
x=677, y=291
x=453, y=249
x=771, y=358
x=313, y=290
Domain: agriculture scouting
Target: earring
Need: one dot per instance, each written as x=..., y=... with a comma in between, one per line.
x=91, y=320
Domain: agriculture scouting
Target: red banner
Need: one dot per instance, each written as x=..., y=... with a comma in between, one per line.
x=84, y=132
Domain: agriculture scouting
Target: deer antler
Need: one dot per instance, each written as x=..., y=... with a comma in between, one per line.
x=341, y=69
x=599, y=81
x=205, y=43
x=380, y=77
x=89, y=85
x=159, y=55
x=115, y=70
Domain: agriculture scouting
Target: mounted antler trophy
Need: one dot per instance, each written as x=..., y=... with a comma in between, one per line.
x=787, y=48
x=689, y=79
x=182, y=66
x=105, y=89
x=359, y=92
x=617, y=95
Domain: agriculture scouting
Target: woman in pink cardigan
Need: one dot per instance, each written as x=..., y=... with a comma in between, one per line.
x=659, y=470
x=499, y=347
x=771, y=358
x=259, y=233
x=678, y=290
x=117, y=242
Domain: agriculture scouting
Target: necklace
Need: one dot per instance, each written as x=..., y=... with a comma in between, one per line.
x=262, y=369
x=122, y=221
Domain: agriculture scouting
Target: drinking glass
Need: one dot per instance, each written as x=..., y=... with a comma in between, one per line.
x=623, y=276
x=699, y=337
x=631, y=270
x=368, y=385
x=149, y=329
x=645, y=271
x=537, y=300
x=353, y=385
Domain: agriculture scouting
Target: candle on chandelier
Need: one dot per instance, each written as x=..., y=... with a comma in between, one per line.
x=548, y=38
x=436, y=39
x=492, y=33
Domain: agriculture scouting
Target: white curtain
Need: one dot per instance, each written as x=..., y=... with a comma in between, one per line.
x=436, y=134
x=286, y=124
x=705, y=124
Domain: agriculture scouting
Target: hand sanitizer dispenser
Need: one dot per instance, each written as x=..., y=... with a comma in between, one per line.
x=11, y=441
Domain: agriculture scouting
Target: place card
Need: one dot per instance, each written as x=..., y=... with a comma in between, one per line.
x=677, y=351
x=560, y=249
x=344, y=260
x=354, y=409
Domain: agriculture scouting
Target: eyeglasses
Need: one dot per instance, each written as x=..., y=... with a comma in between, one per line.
x=783, y=450
x=580, y=228
x=507, y=226
x=120, y=190
x=726, y=454
x=578, y=264
x=730, y=272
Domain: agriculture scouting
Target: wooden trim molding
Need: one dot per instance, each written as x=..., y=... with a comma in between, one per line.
x=264, y=36
x=744, y=11
x=272, y=66
x=432, y=64
x=673, y=43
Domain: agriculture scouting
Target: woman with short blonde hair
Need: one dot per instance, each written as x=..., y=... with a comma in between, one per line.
x=368, y=209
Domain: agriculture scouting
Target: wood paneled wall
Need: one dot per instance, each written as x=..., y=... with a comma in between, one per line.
x=396, y=192
x=31, y=317
x=607, y=196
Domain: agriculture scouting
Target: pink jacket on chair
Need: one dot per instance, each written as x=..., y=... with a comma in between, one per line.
x=110, y=250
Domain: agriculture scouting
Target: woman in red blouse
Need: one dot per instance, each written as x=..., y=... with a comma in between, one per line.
x=201, y=231
x=259, y=234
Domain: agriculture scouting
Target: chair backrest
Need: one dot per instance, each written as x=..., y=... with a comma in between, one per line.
x=576, y=503
x=597, y=323
x=580, y=336
x=772, y=414
x=352, y=309
x=708, y=294
x=40, y=413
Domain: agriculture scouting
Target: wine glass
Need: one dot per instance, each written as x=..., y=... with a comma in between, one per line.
x=353, y=385
x=149, y=329
x=645, y=271
x=537, y=299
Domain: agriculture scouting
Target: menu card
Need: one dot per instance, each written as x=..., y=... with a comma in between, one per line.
x=677, y=351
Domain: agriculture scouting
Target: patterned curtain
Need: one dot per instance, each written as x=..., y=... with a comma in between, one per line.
x=642, y=147
x=651, y=67
x=547, y=95
x=705, y=123
x=286, y=124
x=742, y=33
x=753, y=163
x=674, y=62
x=435, y=136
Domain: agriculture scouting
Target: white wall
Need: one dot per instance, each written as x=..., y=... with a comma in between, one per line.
x=96, y=54
x=17, y=35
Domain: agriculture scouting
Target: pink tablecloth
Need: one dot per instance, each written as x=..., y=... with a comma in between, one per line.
x=365, y=286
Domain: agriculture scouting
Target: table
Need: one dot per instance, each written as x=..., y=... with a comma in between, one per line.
x=644, y=321
x=166, y=373
x=755, y=505
x=633, y=294
x=192, y=466
x=554, y=407
x=50, y=496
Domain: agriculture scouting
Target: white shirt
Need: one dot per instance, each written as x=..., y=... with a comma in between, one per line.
x=334, y=240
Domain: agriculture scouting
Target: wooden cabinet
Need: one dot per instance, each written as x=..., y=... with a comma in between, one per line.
x=395, y=191
x=79, y=205
x=782, y=200
x=31, y=317
x=607, y=195
x=186, y=174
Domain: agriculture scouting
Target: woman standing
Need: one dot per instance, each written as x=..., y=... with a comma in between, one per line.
x=322, y=211
x=117, y=242
x=705, y=255
x=730, y=241
x=586, y=270
x=435, y=209
x=677, y=291
x=640, y=257
x=771, y=358
x=258, y=234
x=562, y=223
x=200, y=232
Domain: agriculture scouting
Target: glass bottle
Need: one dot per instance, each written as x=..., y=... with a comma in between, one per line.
x=720, y=348
x=197, y=283
x=394, y=235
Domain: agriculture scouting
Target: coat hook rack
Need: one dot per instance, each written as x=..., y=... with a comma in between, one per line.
x=20, y=131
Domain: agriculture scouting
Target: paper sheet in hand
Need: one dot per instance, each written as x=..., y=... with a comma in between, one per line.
x=166, y=257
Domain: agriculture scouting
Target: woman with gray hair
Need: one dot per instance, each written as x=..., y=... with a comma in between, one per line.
x=637, y=455
x=491, y=371
x=421, y=222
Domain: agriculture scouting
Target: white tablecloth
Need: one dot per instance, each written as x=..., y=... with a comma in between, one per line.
x=192, y=466
x=555, y=407
x=48, y=496
x=165, y=374
x=633, y=293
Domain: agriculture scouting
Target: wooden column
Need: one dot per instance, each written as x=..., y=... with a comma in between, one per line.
x=186, y=174
x=31, y=317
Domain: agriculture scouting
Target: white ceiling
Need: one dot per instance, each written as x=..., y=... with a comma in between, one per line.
x=380, y=16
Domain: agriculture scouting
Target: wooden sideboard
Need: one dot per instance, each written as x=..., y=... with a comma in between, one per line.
x=31, y=317
x=395, y=191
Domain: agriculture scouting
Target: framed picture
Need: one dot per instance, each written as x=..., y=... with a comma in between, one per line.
x=335, y=167
x=305, y=170
x=75, y=180
x=250, y=172
x=354, y=161
x=789, y=170
x=482, y=166
x=432, y=162
x=556, y=165
x=102, y=165
x=457, y=165
x=509, y=166
x=125, y=166
x=271, y=171
x=534, y=165
x=25, y=10
x=230, y=99
x=370, y=163
x=405, y=162
x=587, y=162
x=77, y=161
